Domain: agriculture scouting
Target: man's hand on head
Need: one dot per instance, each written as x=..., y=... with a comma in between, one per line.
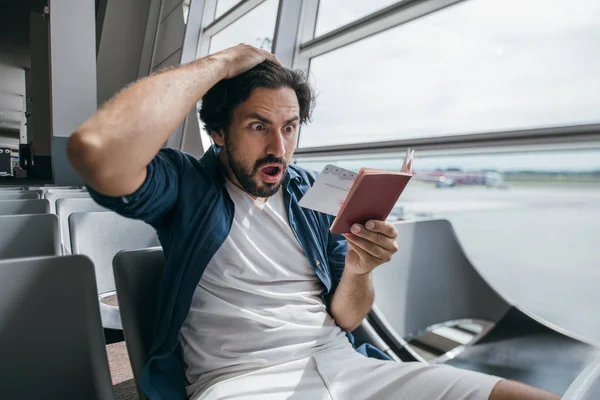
x=370, y=245
x=241, y=58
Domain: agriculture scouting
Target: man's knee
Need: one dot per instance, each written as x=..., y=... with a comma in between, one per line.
x=510, y=390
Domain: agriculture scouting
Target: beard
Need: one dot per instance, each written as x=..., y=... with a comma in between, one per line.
x=247, y=176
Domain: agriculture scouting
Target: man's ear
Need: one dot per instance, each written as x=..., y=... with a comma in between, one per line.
x=218, y=137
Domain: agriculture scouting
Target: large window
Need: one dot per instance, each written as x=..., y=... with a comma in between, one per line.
x=478, y=66
x=335, y=13
x=255, y=28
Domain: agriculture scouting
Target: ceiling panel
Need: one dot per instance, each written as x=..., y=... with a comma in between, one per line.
x=11, y=102
x=12, y=80
x=12, y=90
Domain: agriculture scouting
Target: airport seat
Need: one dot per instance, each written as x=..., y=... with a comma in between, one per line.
x=522, y=349
x=137, y=278
x=21, y=195
x=18, y=207
x=366, y=333
x=29, y=236
x=11, y=188
x=587, y=384
x=430, y=282
x=100, y=236
x=64, y=190
x=47, y=188
x=51, y=338
x=53, y=196
x=66, y=207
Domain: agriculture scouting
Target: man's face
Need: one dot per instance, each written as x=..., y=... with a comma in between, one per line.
x=261, y=140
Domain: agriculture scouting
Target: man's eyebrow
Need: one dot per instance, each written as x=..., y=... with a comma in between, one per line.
x=269, y=122
x=289, y=121
x=260, y=118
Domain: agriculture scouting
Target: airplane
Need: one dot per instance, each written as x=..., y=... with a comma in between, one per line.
x=453, y=177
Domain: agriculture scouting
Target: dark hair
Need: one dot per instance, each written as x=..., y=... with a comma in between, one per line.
x=218, y=103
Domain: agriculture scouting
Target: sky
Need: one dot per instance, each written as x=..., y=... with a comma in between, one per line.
x=478, y=66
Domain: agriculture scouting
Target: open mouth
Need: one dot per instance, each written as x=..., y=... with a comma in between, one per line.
x=271, y=173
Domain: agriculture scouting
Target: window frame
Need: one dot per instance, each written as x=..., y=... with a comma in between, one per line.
x=294, y=43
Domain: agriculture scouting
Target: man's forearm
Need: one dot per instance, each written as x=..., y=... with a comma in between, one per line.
x=126, y=133
x=352, y=300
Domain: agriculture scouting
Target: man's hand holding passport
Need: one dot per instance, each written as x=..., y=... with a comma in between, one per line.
x=357, y=198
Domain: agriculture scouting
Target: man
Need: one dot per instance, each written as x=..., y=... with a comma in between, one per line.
x=257, y=295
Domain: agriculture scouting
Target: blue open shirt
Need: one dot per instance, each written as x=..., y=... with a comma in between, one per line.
x=186, y=201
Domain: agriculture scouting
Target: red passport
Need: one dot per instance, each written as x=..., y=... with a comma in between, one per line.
x=372, y=197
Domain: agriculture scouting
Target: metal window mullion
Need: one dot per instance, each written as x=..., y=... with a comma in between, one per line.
x=379, y=21
x=502, y=149
x=202, y=48
x=569, y=135
x=454, y=151
x=193, y=29
x=287, y=26
x=306, y=31
x=210, y=7
x=232, y=15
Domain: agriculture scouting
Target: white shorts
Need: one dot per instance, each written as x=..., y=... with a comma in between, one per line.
x=346, y=374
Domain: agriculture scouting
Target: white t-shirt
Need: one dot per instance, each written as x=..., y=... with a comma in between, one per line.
x=258, y=302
